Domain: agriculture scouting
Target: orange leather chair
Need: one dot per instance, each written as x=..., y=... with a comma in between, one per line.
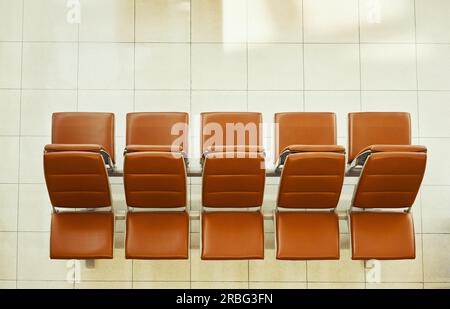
x=371, y=132
x=156, y=180
x=78, y=179
x=231, y=132
x=310, y=185
x=155, y=177
x=297, y=132
x=84, y=132
x=232, y=180
x=310, y=188
x=156, y=131
x=389, y=180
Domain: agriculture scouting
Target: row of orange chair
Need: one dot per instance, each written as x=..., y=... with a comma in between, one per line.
x=295, y=132
x=313, y=169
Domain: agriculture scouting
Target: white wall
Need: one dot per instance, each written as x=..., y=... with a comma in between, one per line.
x=211, y=55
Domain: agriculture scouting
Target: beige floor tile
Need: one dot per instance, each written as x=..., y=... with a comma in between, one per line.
x=163, y=21
x=277, y=285
x=45, y=20
x=49, y=65
x=330, y=21
x=404, y=270
x=436, y=250
x=110, y=270
x=219, y=66
x=44, y=285
x=432, y=21
x=9, y=165
x=444, y=285
x=162, y=66
x=342, y=270
x=8, y=256
x=8, y=207
x=335, y=285
x=217, y=270
x=170, y=270
x=107, y=20
x=396, y=21
x=34, y=208
x=275, y=67
x=435, y=212
x=40, y=267
x=10, y=112
x=274, y=21
x=271, y=269
x=106, y=66
x=161, y=285
x=10, y=76
x=7, y=284
x=11, y=20
x=220, y=285
x=394, y=285
x=219, y=21
x=103, y=285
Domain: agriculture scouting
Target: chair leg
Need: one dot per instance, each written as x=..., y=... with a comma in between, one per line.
x=90, y=264
x=373, y=271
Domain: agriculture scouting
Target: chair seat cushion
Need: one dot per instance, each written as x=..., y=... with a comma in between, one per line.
x=157, y=235
x=382, y=236
x=78, y=235
x=307, y=235
x=232, y=235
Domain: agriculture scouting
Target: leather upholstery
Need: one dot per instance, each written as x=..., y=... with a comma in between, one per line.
x=73, y=147
x=390, y=180
x=156, y=129
x=382, y=236
x=311, y=180
x=304, y=128
x=393, y=148
x=232, y=235
x=235, y=148
x=153, y=148
x=157, y=235
x=307, y=235
x=76, y=179
x=233, y=180
x=155, y=180
x=84, y=128
x=82, y=235
x=214, y=129
x=315, y=148
x=372, y=128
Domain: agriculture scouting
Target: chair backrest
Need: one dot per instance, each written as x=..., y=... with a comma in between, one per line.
x=155, y=180
x=158, y=129
x=220, y=129
x=390, y=180
x=371, y=128
x=84, y=128
x=77, y=179
x=311, y=180
x=304, y=128
x=233, y=180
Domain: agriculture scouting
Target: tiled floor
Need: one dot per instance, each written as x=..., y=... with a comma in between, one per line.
x=219, y=55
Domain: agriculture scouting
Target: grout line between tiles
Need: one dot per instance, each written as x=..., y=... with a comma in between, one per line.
x=19, y=149
x=224, y=90
x=418, y=133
